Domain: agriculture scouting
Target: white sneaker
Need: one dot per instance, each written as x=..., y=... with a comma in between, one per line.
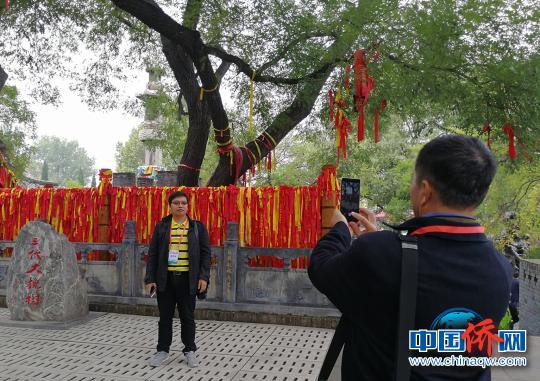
x=191, y=359
x=159, y=358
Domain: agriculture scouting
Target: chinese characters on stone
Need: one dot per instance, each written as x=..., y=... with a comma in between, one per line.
x=33, y=275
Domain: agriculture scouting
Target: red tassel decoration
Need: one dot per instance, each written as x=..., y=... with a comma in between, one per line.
x=509, y=130
x=7, y=4
x=359, y=68
x=487, y=129
x=376, y=132
x=364, y=86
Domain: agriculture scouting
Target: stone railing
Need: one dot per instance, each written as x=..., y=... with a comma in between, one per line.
x=529, y=296
x=234, y=285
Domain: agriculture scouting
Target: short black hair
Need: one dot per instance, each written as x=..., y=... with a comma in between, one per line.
x=459, y=167
x=177, y=194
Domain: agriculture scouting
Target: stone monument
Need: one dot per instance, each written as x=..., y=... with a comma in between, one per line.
x=44, y=282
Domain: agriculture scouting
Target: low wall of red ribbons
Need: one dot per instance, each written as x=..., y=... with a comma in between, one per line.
x=267, y=216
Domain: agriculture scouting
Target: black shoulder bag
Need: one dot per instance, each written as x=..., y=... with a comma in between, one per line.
x=407, y=312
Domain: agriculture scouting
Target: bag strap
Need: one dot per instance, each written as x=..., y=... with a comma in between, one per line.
x=333, y=350
x=407, y=313
x=407, y=304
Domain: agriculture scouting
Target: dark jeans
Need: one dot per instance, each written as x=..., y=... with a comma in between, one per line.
x=176, y=293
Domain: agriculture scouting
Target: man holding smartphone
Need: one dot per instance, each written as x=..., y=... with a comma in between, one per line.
x=458, y=268
x=177, y=270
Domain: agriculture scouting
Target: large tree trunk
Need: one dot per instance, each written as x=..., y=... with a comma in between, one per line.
x=3, y=77
x=199, y=119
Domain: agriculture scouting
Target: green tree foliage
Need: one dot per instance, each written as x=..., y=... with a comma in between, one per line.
x=129, y=155
x=80, y=177
x=65, y=159
x=516, y=188
x=45, y=171
x=17, y=127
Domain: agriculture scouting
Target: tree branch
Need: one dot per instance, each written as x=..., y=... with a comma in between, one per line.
x=3, y=77
x=148, y=12
x=281, y=54
x=451, y=70
x=222, y=69
x=245, y=68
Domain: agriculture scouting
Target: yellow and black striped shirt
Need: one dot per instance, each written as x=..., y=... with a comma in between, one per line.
x=179, y=241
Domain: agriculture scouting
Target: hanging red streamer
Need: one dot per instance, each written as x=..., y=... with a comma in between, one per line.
x=364, y=86
x=342, y=125
x=509, y=130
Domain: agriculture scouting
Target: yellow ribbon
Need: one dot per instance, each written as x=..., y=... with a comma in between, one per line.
x=275, y=216
x=241, y=216
x=203, y=90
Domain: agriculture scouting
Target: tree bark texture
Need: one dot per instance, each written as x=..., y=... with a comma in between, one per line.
x=198, y=116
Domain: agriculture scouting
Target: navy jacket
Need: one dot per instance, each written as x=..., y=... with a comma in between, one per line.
x=362, y=280
x=198, y=252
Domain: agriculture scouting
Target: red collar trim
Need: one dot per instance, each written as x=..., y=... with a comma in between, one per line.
x=449, y=229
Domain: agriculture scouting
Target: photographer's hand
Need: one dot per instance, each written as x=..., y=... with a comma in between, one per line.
x=366, y=222
x=337, y=216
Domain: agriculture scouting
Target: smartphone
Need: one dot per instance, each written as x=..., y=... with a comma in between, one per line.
x=350, y=197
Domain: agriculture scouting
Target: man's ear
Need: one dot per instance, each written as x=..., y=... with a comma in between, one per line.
x=426, y=192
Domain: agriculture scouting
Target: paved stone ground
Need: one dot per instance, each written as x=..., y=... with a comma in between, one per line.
x=117, y=347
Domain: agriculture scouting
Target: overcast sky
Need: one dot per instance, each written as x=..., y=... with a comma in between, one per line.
x=96, y=131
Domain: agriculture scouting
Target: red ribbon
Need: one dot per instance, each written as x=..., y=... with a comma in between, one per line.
x=190, y=167
x=509, y=130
